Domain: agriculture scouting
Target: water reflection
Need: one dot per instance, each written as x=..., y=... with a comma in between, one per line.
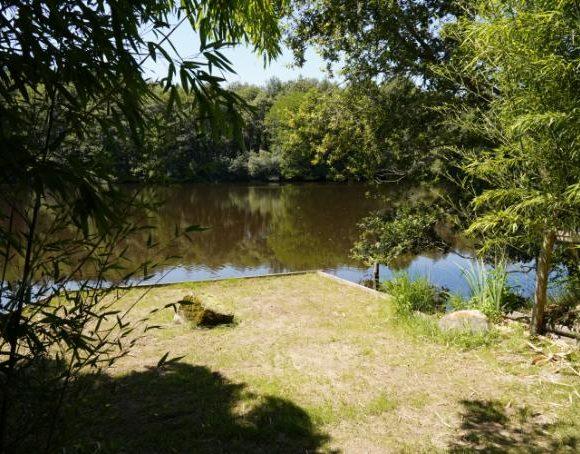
x=267, y=228
x=262, y=229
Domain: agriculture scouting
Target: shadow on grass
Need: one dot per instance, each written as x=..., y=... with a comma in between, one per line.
x=488, y=427
x=180, y=408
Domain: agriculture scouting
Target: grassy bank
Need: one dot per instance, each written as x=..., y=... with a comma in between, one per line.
x=314, y=365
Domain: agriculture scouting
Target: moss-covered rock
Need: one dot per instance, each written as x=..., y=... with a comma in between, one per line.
x=192, y=310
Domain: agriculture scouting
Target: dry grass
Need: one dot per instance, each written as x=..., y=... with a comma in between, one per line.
x=313, y=365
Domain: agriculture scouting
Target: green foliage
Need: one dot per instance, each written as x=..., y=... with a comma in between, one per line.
x=289, y=129
x=456, y=302
x=375, y=39
x=314, y=130
x=264, y=165
x=410, y=295
x=514, y=65
x=527, y=50
x=417, y=304
x=364, y=132
x=74, y=96
x=387, y=237
x=525, y=184
x=488, y=288
x=426, y=327
x=564, y=307
x=490, y=292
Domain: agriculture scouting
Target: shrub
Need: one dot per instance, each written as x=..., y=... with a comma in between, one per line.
x=413, y=298
x=386, y=237
x=413, y=295
x=457, y=302
x=238, y=166
x=264, y=165
x=513, y=301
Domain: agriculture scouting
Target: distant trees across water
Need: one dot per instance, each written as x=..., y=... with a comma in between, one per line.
x=298, y=130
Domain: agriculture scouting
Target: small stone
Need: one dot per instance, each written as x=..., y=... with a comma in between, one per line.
x=466, y=320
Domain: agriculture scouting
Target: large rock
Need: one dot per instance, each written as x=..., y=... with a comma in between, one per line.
x=190, y=309
x=471, y=320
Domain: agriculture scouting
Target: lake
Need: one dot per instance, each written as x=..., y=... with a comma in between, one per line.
x=260, y=229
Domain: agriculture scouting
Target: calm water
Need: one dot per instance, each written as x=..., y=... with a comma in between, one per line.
x=258, y=229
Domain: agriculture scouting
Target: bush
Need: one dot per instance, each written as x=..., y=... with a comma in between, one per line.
x=238, y=166
x=457, y=302
x=264, y=165
x=386, y=237
x=513, y=301
x=414, y=295
x=413, y=298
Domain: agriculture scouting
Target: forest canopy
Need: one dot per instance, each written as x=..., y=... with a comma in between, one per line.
x=298, y=130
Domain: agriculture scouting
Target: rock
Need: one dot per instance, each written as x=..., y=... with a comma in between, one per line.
x=191, y=309
x=468, y=320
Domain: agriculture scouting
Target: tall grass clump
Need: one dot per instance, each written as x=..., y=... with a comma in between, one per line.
x=410, y=296
x=488, y=287
x=489, y=290
x=417, y=304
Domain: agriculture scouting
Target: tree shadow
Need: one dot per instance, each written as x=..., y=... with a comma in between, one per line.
x=487, y=426
x=180, y=408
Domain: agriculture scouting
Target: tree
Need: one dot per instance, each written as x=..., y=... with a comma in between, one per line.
x=285, y=133
x=530, y=196
x=69, y=70
x=376, y=39
x=379, y=132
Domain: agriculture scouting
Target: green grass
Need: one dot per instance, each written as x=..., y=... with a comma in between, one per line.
x=313, y=365
x=415, y=308
x=426, y=328
x=382, y=403
x=412, y=295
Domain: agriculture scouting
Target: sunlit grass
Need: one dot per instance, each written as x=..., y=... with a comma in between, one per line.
x=322, y=366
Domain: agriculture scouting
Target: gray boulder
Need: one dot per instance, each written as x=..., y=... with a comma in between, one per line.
x=469, y=320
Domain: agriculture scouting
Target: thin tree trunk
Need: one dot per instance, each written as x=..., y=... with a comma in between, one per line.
x=14, y=320
x=376, y=275
x=542, y=272
x=23, y=294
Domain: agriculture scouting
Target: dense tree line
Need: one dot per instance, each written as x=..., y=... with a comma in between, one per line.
x=297, y=130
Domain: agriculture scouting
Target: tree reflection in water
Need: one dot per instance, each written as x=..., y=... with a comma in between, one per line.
x=258, y=229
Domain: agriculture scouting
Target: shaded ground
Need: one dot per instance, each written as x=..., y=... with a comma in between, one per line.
x=186, y=408
x=313, y=365
x=488, y=426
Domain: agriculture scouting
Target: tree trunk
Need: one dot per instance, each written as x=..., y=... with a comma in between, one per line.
x=542, y=273
x=376, y=275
